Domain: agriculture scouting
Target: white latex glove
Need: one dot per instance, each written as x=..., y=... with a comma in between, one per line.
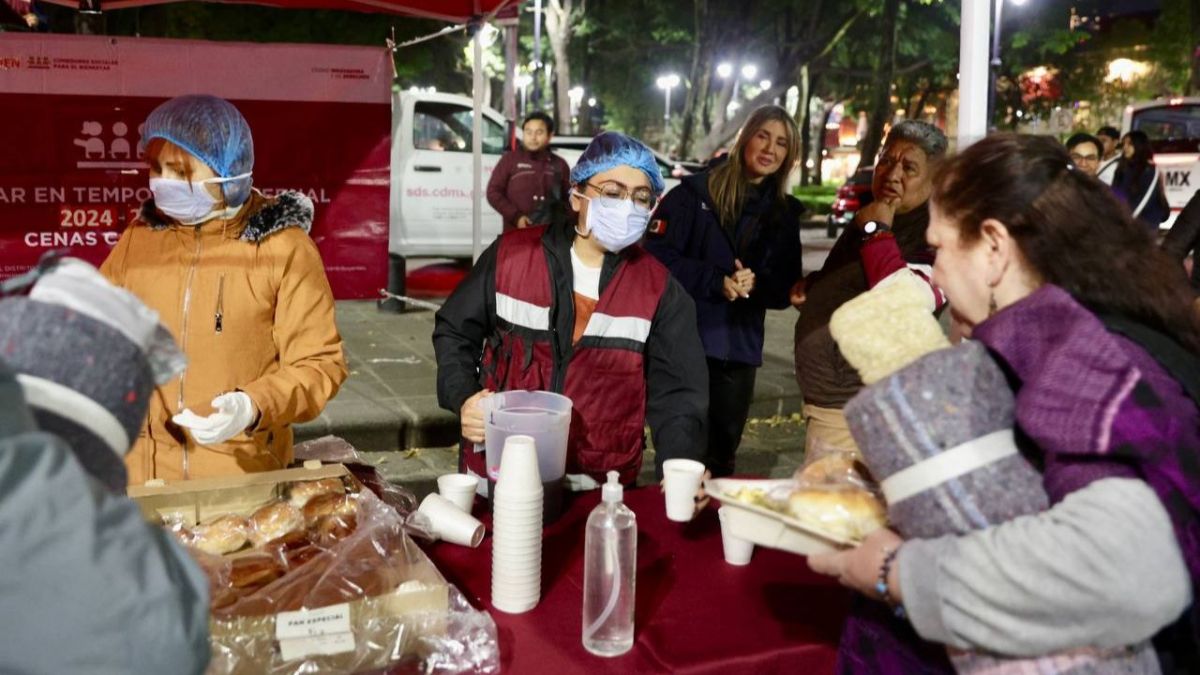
x=235, y=412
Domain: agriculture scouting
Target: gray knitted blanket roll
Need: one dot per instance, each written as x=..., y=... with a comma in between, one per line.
x=941, y=401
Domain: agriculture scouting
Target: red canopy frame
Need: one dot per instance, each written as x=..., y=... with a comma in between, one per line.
x=458, y=11
x=473, y=12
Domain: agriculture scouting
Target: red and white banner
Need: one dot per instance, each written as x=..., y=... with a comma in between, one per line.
x=71, y=106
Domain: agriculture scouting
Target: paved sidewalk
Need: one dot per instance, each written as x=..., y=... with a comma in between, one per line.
x=388, y=407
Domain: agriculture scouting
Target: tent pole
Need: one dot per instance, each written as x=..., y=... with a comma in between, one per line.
x=477, y=144
x=973, y=72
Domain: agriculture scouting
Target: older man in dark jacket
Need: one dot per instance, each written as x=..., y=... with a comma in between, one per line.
x=886, y=235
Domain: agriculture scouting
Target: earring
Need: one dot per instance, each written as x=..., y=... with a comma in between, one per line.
x=992, y=303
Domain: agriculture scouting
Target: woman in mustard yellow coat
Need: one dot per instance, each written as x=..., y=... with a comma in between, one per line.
x=237, y=280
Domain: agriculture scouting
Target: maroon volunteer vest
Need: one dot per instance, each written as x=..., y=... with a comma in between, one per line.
x=605, y=377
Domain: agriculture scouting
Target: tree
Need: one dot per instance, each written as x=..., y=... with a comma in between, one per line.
x=881, y=96
x=561, y=16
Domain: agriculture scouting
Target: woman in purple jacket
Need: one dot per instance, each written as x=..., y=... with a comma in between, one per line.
x=1095, y=328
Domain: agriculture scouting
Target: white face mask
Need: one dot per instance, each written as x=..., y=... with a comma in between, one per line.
x=186, y=202
x=615, y=223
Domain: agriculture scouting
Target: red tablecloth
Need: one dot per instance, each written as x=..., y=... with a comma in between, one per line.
x=695, y=613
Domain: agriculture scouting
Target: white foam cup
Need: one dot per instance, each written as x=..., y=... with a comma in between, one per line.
x=681, y=480
x=450, y=522
x=737, y=550
x=458, y=488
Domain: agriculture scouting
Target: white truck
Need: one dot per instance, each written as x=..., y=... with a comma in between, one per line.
x=431, y=181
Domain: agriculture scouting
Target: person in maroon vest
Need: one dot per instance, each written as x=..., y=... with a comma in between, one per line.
x=582, y=310
x=529, y=185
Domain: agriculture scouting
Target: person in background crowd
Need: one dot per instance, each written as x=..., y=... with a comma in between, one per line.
x=1184, y=238
x=1137, y=182
x=587, y=313
x=1100, y=343
x=88, y=584
x=242, y=287
x=529, y=185
x=731, y=236
x=1085, y=150
x=887, y=235
x=1110, y=140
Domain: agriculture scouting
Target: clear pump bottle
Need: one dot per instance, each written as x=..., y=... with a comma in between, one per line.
x=609, y=567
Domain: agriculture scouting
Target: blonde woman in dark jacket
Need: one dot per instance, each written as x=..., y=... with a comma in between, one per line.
x=731, y=236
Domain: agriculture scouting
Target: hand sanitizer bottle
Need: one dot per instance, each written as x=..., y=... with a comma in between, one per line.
x=609, y=567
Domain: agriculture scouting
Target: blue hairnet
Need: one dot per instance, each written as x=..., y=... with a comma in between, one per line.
x=212, y=130
x=611, y=149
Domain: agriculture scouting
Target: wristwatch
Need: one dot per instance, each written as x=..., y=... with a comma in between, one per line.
x=871, y=228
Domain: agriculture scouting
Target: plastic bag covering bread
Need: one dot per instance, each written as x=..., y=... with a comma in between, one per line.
x=402, y=608
x=888, y=327
x=402, y=611
x=832, y=495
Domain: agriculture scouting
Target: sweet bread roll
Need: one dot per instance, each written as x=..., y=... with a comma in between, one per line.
x=223, y=535
x=329, y=530
x=292, y=549
x=253, y=571
x=275, y=520
x=301, y=493
x=329, y=504
x=849, y=513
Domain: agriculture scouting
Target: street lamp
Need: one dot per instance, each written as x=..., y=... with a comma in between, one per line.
x=667, y=83
x=522, y=81
x=748, y=72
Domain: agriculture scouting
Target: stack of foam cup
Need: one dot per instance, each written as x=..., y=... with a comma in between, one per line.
x=517, y=528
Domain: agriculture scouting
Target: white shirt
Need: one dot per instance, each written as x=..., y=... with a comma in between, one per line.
x=587, y=279
x=1108, y=169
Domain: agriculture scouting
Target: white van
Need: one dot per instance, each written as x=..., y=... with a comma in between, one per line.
x=432, y=178
x=1173, y=126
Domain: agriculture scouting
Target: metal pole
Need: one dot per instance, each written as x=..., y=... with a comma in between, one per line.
x=510, y=71
x=972, y=75
x=477, y=147
x=994, y=68
x=667, y=120
x=536, y=96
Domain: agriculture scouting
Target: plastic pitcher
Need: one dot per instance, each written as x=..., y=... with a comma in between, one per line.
x=542, y=414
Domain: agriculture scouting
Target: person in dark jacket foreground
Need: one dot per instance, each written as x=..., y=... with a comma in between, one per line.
x=731, y=236
x=585, y=313
x=88, y=586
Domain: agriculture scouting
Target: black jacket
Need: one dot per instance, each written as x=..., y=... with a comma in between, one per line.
x=700, y=254
x=826, y=379
x=1184, y=237
x=676, y=372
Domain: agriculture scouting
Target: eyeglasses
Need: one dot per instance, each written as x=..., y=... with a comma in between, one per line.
x=1077, y=158
x=642, y=197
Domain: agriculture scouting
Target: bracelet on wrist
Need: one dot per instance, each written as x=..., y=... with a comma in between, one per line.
x=881, y=584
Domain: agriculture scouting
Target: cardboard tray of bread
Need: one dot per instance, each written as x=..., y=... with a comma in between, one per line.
x=819, y=510
x=308, y=571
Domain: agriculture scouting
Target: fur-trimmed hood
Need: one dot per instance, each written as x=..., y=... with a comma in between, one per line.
x=263, y=217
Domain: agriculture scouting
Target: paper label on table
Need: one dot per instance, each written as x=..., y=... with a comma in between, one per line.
x=291, y=649
x=313, y=622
